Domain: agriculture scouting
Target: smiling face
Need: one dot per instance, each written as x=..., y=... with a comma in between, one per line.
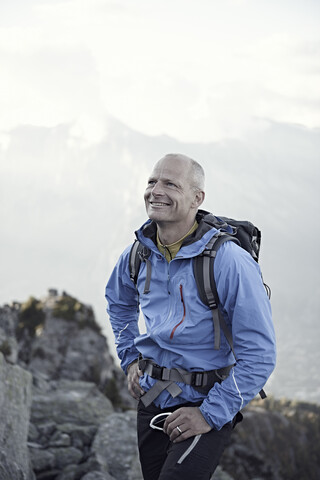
x=170, y=197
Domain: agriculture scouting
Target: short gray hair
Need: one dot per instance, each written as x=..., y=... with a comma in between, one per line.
x=198, y=176
x=197, y=179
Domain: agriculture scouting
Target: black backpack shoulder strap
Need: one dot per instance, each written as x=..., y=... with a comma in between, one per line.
x=134, y=261
x=203, y=268
x=139, y=253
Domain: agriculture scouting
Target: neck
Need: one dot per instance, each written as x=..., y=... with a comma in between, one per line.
x=169, y=234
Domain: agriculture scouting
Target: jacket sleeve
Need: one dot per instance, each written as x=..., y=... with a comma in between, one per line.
x=247, y=311
x=123, y=310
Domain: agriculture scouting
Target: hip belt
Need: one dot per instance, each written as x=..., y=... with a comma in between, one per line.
x=201, y=381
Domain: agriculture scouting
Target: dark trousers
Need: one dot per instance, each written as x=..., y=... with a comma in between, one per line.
x=193, y=459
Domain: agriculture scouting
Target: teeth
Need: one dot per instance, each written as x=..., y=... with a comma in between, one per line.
x=158, y=204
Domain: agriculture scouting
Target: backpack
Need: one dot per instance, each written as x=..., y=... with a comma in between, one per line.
x=244, y=233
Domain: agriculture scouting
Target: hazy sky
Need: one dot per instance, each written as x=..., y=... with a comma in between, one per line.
x=195, y=70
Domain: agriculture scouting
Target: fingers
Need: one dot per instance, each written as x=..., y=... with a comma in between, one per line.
x=133, y=375
x=172, y=422
x=184, y=423
x=177, y=430
x=135, y=390
x=180, y=433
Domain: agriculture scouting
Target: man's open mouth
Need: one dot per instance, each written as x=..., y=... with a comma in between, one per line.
x=159, y=204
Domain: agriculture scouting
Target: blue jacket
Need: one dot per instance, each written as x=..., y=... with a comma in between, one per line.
x=179, y=327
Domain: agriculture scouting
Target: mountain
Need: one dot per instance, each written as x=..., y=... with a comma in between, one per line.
x=69, y=207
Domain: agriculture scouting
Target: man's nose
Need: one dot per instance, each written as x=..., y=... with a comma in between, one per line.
x=157, y=189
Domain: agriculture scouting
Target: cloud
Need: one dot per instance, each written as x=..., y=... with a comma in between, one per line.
x=195, y=73
x=57, y=85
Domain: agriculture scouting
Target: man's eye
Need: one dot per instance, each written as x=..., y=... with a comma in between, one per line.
x=151, y=182
x=170, y=184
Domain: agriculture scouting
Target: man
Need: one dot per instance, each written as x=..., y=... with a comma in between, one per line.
x=179, y=336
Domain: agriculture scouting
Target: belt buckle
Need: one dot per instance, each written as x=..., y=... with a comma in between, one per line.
x=142, y=364
x=197, y=379
x=157, y=372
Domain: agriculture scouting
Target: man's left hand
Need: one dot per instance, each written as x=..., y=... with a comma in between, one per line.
x=190, y=422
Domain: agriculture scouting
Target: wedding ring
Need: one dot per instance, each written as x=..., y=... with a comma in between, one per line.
x=179, y=430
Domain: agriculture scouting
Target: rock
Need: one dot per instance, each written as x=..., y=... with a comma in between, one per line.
x=90, y=465
x=41, y=459
x=15, y=402
x=66, y=414
x=55, y=459
x=33, y=433
x=60, y=439
x=271, y=443
x=97, y=476
x=8, y=347
x=47, y=429
x=76, y=472
x=79, y=403
x=8, y=341
x=114, y=455
x=60, y=339
x=81, y=435
x=10, y=470
x=49, y=475
x=65, y=456
x=52, y=292
x=220, y=474
x=65, y=351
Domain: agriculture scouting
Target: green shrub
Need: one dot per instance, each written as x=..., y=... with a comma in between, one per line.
x=67, y=307
x=31, y=316
x=70, y=308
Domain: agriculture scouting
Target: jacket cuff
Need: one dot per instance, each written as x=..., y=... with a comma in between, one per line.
x=207, y=418
x=131, y=363
x=129, y=357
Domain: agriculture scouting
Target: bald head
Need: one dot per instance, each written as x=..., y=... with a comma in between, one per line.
x=173, y=195
x=196, y=174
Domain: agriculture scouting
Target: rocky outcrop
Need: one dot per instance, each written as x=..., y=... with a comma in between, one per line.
x=65, y=413
x=8, y=341
x=115, y=446
x=278, y=440
x=59, y=338
x=65, y=418
x=15, y=402
x=75, y=387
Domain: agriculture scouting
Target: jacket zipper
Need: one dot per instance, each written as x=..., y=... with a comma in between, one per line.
x=184, y=314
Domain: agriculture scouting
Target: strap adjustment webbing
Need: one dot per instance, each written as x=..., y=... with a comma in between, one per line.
x=166, y=378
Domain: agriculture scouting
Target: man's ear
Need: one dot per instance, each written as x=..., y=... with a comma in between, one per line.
x=198, y=198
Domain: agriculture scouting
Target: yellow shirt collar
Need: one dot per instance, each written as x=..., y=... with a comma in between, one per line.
x=170, y=251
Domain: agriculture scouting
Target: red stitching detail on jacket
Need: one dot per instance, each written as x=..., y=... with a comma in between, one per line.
x=184, y=314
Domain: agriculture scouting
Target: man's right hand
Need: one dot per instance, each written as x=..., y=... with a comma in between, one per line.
x=133, y=374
